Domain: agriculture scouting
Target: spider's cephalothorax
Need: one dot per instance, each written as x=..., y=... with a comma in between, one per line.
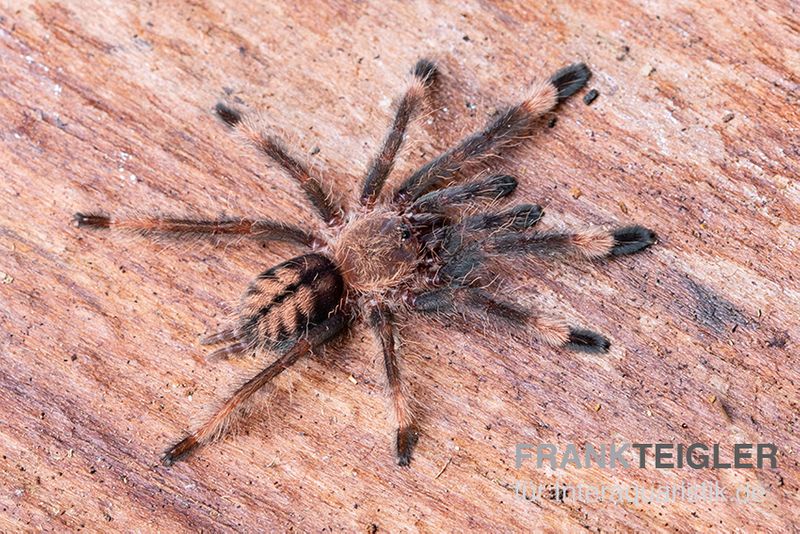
x=413, y=252
x=377, y=252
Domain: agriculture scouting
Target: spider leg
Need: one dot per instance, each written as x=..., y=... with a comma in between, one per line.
x=233, y=408
x=590, y=243
x=515, y=219
x=257, y=229
x=226, y=352
x=491, y=188
x=408, y=108
x=507, y=130
x=380, y=319
x=274, y=149
x=448, y=242
x=545, y=329
x=224, y=336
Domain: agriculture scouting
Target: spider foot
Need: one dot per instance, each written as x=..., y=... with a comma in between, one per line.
x=425, y=70
x=630, y=239
x=406, y=440
x=83, y=219
x=179, y=451
x=570, y=79
x=587, y=341
x=227, y=114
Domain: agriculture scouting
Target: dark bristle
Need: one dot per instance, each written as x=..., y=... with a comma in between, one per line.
x=425, y=70
x=227, y=114
x=98, y=221
x=406, y=439
x=570, y=80
x=632, y=239
x=587, y=341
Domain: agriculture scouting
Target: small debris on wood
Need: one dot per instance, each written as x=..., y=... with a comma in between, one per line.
x=728, y=117
x=723, y=410
x=470, y=106
x=624, y=51
x=779, y=340
x=575, y=192
x=314, y=151
x=352, y=379
x=372, y=528
x=591, y=96
x=443, y=468
x=623, y=207
x=6, y=278
x=597, y=407
x=552, y=122
x=647, y=70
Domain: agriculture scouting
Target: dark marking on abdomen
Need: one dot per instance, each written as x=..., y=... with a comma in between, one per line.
x=283, y=302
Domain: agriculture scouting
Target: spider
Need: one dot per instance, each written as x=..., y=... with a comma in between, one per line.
x=427, y=248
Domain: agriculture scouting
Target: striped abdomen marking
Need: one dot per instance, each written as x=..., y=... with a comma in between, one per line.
x=284, y=301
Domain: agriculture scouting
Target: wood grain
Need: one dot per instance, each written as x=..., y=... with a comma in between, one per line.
x=107, y=106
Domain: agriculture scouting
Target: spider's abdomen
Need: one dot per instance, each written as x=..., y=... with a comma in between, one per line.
x=286, y=300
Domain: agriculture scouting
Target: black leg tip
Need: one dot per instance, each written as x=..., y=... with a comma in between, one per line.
x=587, y=341
x=406, y=440
x=503, y=184
x=426, y=71
x=98, y=221
x=227, y=114
x=179, y=451
x=570, y=79
x=632, y=239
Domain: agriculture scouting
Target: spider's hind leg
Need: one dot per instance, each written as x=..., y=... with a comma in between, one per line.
x=476, y=301
x=234, y=408
x=380, y=318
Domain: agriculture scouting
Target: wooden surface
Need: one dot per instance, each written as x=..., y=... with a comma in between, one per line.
x=107, y=106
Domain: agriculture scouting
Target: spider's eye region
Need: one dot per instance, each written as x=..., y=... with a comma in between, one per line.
x=405, y=232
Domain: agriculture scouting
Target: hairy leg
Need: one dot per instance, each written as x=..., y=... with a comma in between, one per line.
x=515, y=219
x=408, y=108
x=506, y=131
x=591, y=243
x=491, y=188
x=274, y=149
x=380, y=318
x=232, y=409
x=257, y=229
x=476, y=301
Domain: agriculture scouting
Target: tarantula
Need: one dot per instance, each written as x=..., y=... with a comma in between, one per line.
x=415, y=251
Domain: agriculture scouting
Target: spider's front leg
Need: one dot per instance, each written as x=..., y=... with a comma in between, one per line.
x=506, y=131
x=172, y=226
x=380, y=319
x=408, y=108
x=274, y=149
x=591, y=243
